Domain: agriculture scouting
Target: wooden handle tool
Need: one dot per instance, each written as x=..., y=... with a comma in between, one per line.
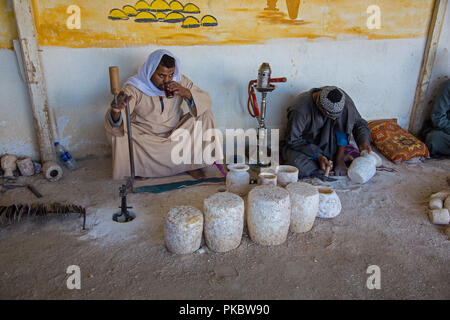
x=327, y=171
x=114, y=80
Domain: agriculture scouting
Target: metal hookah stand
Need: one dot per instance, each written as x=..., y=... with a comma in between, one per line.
x=263, y=85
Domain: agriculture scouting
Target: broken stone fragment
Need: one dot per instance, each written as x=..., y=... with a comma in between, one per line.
x=25, y=166
x=8, y=163
x=441, y=194
x=447, y=203
x=439, y=216
x=435, y=203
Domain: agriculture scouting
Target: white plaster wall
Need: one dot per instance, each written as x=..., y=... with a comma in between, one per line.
x=17, y=134
x=380, y=76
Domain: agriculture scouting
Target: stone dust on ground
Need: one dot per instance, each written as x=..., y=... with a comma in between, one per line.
x=383, y=222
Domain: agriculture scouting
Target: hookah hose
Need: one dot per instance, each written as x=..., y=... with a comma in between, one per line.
x=252, y=97
x=252, y=100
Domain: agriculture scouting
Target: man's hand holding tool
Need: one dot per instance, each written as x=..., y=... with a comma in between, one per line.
x=121, y=105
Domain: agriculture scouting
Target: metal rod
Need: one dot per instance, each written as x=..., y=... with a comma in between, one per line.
x=84, y=218
x=130, y=144
x=263, y=110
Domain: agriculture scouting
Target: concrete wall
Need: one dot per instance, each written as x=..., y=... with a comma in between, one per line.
x=380, y=75
x=17, y=133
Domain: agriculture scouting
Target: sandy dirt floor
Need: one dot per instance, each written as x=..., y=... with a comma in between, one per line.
x=383, y=222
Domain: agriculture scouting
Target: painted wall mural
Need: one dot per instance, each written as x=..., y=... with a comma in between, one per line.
x=122, y=23
x=8, y=28
x=161, y=11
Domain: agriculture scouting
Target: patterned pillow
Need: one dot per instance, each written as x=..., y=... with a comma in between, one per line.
x=395, y=143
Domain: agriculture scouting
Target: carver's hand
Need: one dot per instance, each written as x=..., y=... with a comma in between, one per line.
x=178, y=89
x=365, y=146
x=324, y=162
x=340, y=169
x=121, y=105
x=121, y=102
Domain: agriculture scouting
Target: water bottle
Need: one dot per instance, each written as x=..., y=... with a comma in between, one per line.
x=65, y=156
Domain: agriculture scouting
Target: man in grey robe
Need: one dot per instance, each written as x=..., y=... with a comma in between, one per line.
x=320, y=123
x=438, y=136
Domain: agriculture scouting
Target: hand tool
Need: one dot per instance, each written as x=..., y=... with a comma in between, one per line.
x=124, y=215
x=6, y=186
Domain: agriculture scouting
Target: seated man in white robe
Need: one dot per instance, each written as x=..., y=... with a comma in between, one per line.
x=155, y=118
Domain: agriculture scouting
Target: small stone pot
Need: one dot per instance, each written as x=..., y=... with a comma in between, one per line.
x=267, y=178
x=329, y=203
x=286, y=174
x=238, y=179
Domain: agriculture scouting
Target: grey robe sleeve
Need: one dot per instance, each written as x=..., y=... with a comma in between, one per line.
x=360, y=130
x=111, y=121
x=295, y=134
x=441, y=109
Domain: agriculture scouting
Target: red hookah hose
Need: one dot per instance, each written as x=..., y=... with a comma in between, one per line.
x=252, y=100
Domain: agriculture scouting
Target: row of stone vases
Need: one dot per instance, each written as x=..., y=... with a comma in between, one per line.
x=272, y=211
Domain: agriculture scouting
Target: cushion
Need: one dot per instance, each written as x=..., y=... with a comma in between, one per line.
x=395, y=143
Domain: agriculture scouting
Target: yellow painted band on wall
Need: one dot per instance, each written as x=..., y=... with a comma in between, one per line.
x=8, y=28
x=228, y=22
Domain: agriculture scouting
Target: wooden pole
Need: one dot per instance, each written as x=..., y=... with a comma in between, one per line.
x=434, y=32
x=23, y=10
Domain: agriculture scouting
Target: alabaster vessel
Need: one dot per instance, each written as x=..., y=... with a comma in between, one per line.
x=183, y=228
x=238, y=179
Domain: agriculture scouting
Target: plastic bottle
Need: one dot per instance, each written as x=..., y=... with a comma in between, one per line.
x=65, y=156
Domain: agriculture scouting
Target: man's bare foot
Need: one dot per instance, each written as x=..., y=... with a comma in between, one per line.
x=139, y=178
x=197, y=174
x=340, y=170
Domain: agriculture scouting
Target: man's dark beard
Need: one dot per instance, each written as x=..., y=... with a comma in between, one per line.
x=160, y=87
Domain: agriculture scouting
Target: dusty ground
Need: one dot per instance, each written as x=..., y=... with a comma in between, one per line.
x=382, y=223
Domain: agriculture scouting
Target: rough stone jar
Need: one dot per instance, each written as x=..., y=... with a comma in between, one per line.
x=224, y=221
x=304, y=204
x=183, y=228
x=238, y=179
x=268, y=215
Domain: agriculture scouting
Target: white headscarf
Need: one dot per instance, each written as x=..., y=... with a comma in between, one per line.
x=142, y=79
